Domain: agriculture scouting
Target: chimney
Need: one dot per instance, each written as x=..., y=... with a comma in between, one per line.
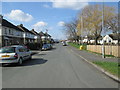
x=21, y=25
x=33, y=30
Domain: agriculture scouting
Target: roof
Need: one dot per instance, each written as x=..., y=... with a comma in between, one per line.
x=46, y=34
x=24, y=29
x=115, y=36
x=10, y=25
x=41, y=33
x=34, y=32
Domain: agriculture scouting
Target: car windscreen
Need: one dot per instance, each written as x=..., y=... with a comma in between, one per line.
x=7, y=50
x=44, y=46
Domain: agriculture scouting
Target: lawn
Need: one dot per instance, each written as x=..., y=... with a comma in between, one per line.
x=111, y=67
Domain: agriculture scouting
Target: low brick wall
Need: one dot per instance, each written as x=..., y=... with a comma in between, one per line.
x=109, y=49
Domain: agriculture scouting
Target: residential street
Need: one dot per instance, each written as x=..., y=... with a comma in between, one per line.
x=56, y=68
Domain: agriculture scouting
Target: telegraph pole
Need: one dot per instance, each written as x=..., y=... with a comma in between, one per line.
x=103, y=46
x=81, y=27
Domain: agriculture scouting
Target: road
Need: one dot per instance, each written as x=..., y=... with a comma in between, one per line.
x=57, y=68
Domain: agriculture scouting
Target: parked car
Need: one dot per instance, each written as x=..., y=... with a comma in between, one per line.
x=45, y=47
x=14, y=54
x=50, y=46
x=64, y=43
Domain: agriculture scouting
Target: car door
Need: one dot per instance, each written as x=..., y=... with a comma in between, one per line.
x=27, y=51
x=22, y=53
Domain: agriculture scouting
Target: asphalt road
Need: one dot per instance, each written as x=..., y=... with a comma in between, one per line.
x=57, y=68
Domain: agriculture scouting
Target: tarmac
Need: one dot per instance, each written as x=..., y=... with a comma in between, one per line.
x=89, y=57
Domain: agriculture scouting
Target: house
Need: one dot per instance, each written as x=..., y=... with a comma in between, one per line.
x=88, y=39
x=111, y=38
x=46, y=38
x=37, y=36
x=42, y=35
x=28, y=36
x=9, y=33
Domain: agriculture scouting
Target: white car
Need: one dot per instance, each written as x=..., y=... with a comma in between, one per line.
x=14, y=54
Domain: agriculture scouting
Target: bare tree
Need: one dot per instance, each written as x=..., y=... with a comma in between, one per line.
x=92, y=20
x=71, y=29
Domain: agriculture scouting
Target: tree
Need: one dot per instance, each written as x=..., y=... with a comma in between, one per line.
x=92, y=20
x=71, y=29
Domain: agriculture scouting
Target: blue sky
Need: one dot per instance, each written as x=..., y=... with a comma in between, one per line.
x=43, y=15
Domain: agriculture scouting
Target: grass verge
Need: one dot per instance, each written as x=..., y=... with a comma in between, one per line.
x=111, y=67
x=85, y=48
x=101, y=54
x=77, y=45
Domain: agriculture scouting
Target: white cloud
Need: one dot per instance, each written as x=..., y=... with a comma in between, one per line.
x=18, y=15
x=39, y=26
x=70, y=4
x=46, y=6
x=61, y=23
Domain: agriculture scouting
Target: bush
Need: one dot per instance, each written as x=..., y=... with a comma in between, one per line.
x=34, y=46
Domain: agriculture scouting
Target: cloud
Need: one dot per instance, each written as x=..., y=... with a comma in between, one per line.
x=61, y=23
x=19, y=15
x=39, y=26
x=46, y=6
x=73, y=4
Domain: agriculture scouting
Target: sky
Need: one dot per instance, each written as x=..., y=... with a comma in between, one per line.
x=44, y=15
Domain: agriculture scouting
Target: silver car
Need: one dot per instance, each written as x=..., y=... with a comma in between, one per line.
x=14, y=54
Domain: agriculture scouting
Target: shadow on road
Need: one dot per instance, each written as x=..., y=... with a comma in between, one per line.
x=35, y=61
x=53, y=48
x=40, y=54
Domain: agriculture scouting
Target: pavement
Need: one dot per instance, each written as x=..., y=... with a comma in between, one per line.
x=56, y=68
x=93, y=57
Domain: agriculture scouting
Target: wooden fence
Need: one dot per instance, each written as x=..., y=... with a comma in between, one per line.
x=109, y=49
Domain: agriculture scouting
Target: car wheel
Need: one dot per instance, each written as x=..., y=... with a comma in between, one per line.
x=20, y=61
x=30, y=57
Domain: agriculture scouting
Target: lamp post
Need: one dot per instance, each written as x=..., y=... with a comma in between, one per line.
x=103, y=46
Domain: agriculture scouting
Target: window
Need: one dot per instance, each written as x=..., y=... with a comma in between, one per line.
x=7, y=50
x=18, y=33
x=21, y=50
x=5, y=30
x=12, y=31
x=21, y=33
x=26, y=50
x=9, y=31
